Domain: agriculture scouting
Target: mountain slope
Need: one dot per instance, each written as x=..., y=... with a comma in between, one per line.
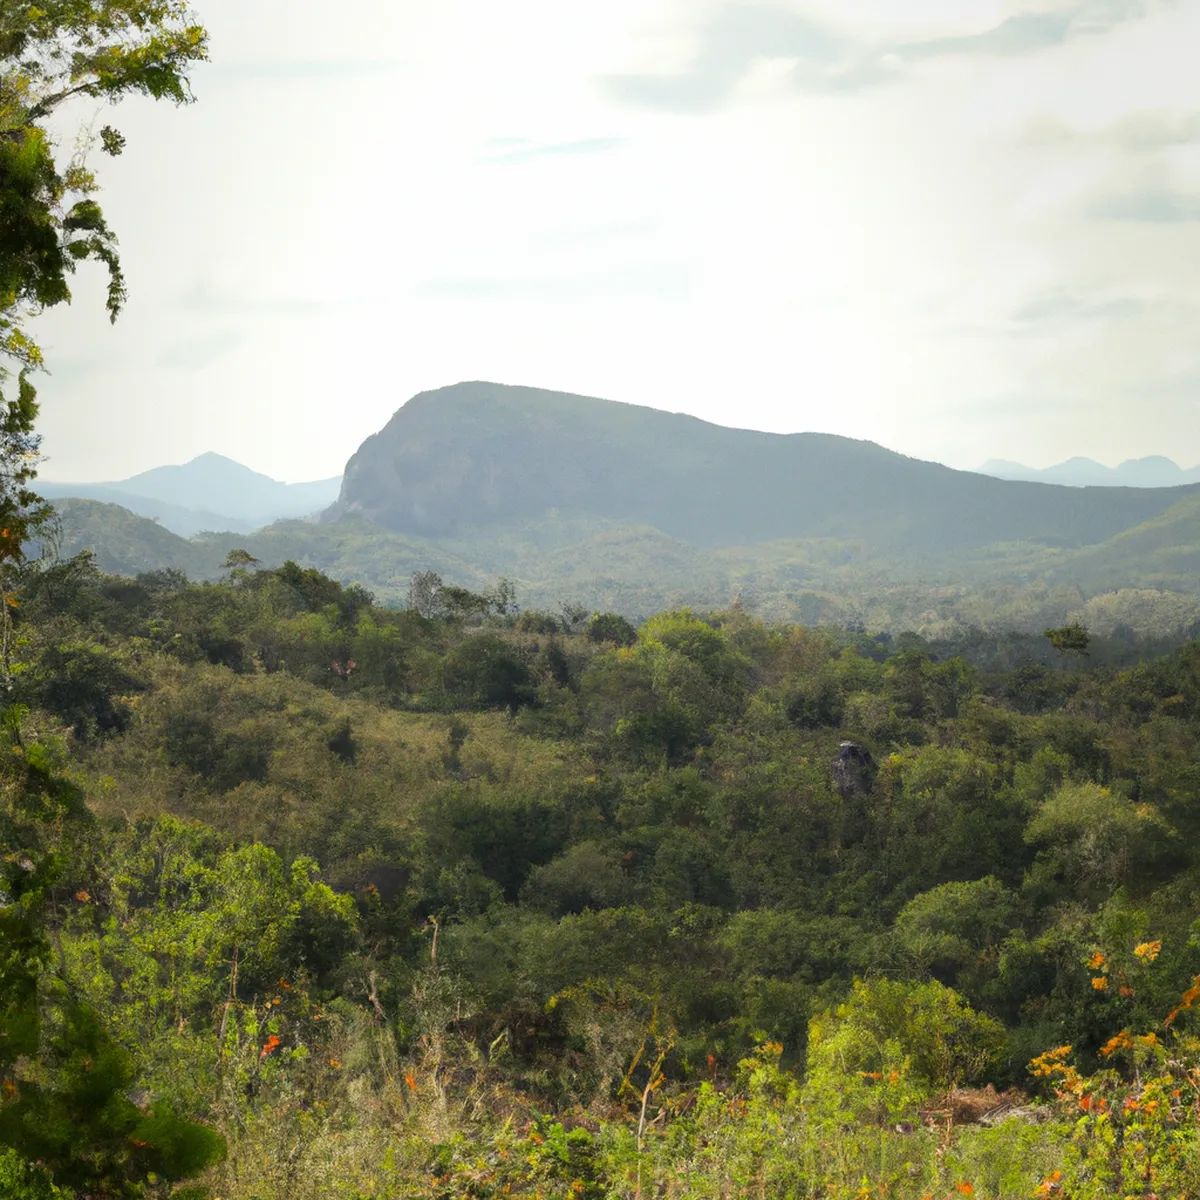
x=1162, y=552
x=179, y=520
x=210, y=492
x=351, y=550
x=479, y=455
x=194, y=484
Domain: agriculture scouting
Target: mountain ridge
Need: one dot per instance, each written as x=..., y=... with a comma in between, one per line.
x=1152, y=471
x=183, y=497
x=477, y=453
x=635, y=510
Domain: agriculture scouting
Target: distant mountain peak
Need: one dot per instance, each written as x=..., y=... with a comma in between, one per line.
x=210, y=491
x=211, y=456
x=1152, y=471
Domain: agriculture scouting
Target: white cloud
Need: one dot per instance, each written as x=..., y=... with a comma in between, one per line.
x=355, y=211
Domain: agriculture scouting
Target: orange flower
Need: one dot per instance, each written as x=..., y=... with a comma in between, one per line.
x=412, y=1083
x=1122, y=1041
x=272, y=1044
x=1100, y=983
x=1148, y=951
x=1046, y=1064
x=965, y=1189
x=1096, y=961
x=82, y=896
x=1049, y=1186
x=1085, y=1102
x=335, y=1064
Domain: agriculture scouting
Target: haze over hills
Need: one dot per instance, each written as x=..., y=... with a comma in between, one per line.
x=633, y=509
x=1154, y=471
x=211, y=492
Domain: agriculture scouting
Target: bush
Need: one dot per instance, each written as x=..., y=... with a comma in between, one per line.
x=485, y=672
x=611, y=627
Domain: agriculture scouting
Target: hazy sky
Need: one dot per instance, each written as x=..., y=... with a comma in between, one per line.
x=962, y=228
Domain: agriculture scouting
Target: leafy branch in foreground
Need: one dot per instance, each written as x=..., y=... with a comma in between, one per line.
x=51, y=53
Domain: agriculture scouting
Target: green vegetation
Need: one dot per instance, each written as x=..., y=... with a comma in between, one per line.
x=639, y=571
x=301, y=896
x=634, y=511
x=308, y=897
x=50, y=221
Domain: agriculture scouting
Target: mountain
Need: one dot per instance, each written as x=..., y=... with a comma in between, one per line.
x=210, y=492
x=1152, y=472
x=476, y=456
x=352, y=550
x=183, y=521
x=635, y=510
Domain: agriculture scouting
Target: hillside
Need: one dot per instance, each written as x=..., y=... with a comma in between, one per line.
x=307, y=898
x=479, y=482
x=352, y=549
x=175, y=517
x=638, y=570
x=480, y=454
x=210, y=492
x=1162, y=552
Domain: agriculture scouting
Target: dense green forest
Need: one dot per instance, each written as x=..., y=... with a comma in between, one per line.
x=1145, y=581
x=307, y=897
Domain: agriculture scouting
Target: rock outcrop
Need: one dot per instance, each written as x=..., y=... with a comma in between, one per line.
x=853, y=771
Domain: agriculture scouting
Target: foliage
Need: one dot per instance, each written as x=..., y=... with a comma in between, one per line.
x=591, y=918
x=50, y=221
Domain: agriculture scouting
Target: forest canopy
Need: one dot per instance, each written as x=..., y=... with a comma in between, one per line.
x=446, y=904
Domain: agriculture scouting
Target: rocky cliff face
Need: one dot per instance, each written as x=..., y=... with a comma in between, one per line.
x=475, y=454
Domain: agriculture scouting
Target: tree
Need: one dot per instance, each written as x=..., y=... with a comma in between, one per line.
x=239, y=561
x=50, y=221
x=425, y=594
x=1069, y=639
x=611, y=627
x=64, y=1078
x=485, y=672
x=946, y=1041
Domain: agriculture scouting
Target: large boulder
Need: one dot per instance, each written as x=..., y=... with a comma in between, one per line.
x=853, y=771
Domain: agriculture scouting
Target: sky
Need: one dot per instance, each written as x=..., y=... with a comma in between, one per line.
x=965, y=229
